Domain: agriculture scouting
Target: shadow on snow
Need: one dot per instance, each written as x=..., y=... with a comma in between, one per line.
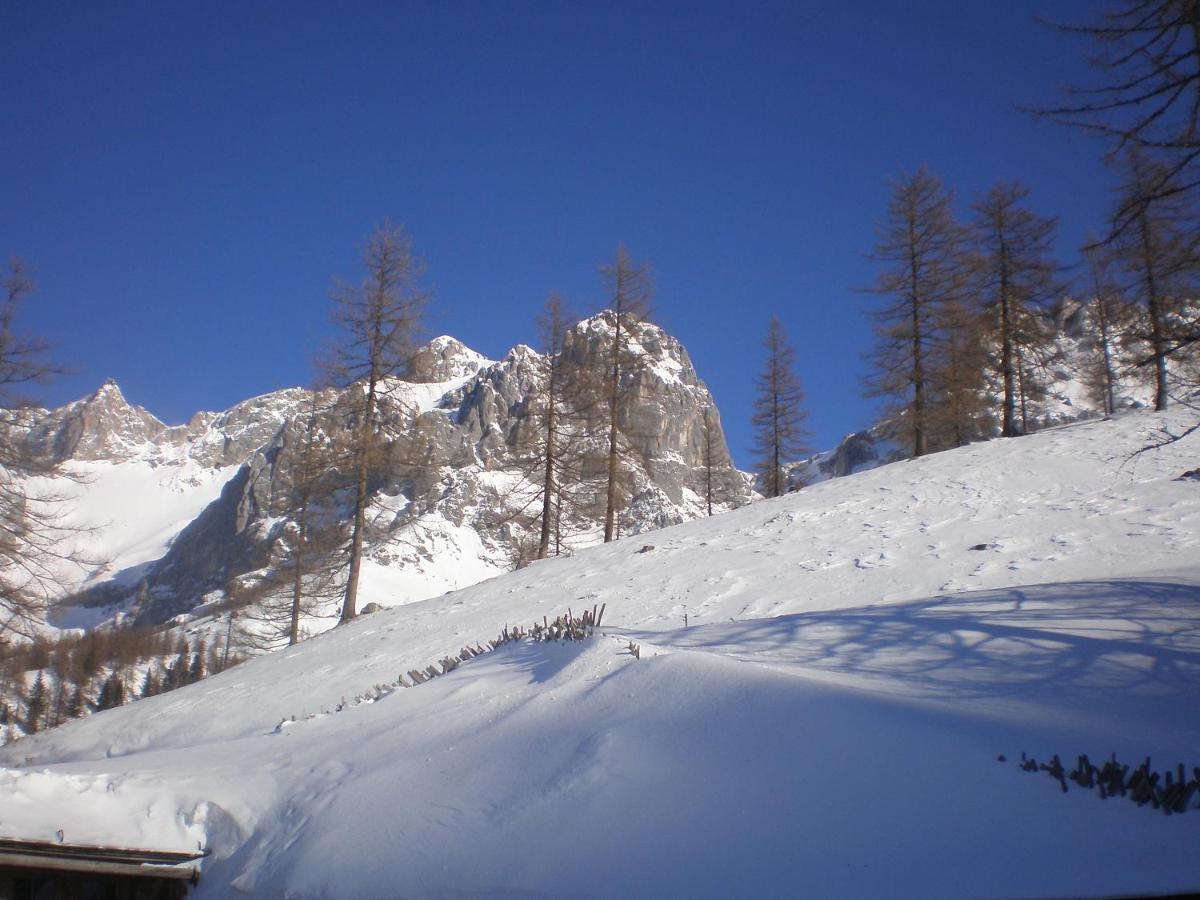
x=1141, y=636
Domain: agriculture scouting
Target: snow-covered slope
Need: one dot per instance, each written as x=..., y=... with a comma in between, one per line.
x=1062, y=385
x=857, y=657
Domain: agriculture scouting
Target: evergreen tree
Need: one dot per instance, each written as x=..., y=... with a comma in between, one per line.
x=196, y=668
x=35, y=706
x=75, y=704
x=112, y=692
x=779, y=434
x=151, y=683
x=177, y=674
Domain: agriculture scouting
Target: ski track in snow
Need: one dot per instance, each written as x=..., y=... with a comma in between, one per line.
x=827, y=725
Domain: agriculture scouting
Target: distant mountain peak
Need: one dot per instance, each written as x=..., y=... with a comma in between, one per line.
x=109, y=391
x=445, y=358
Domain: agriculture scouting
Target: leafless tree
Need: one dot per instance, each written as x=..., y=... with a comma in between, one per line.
x=1146, y=54
x=716, y=455
x=779, y=415
x=1109, y=316
x=305, y=575
x=959, y=413
x=553, y=325
x=36, y=540
x=921, y=248
x=630, y=288
x=1017, y=277
x=1155, y=258
x=380, y=318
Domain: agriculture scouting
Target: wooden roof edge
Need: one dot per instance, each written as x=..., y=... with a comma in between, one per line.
x=119, y=856
x=79, y=864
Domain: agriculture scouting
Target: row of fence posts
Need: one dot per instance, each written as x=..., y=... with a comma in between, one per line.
x=567, y=627
x=1168, y=791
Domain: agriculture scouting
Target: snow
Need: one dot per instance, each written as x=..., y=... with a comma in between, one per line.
x=451, y=557
x=828, y=725
x=127, y=513
x=421, y=397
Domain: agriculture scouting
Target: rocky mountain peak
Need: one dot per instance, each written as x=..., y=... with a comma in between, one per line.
x=109, y=388
x=444, y=359
x=102, y=426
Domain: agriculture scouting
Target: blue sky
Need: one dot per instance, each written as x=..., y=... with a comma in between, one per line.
x=186, y=179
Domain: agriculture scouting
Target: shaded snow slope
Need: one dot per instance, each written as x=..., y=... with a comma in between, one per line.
x=122, y=516
x=828, y=725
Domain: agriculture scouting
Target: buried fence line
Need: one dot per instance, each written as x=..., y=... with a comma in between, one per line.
x=567, y=627
x=1169, y=791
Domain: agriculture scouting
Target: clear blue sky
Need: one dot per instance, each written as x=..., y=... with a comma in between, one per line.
x=186, y=178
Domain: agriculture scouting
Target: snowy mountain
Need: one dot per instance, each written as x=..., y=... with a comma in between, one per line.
x=179, y=511
x=857, y=659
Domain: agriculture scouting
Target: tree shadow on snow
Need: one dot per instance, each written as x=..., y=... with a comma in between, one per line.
x=1142, y=636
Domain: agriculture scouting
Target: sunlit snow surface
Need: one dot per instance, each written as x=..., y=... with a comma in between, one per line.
x=828, y=725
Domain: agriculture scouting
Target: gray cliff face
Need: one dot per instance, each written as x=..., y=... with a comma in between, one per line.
x=102, y=426
x=461, y=457
x=663, y=418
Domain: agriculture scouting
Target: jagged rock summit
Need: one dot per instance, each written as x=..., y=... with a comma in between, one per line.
x=444, y=359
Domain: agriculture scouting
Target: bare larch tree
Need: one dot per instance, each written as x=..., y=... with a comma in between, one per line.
x=1146, y=54
x=921, y=248
x=716, y=455
x=1017, y=278
x=629, y=286
x=1145, y=101
x=553, y=325
x=380, y=318
x=1107, y=315
x=1155, y=254
x=35, y=537
x=779, y=415
x=305, y=576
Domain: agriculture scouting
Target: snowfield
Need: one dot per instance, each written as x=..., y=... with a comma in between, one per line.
x=857, y=657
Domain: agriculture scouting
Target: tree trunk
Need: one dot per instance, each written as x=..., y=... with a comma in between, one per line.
x=1110, y=405
x=298, y=580
x=708, y=462
x=548, y=487
x=360, y=506
x=920, y=435
x=614, y=394
x=1158, y=336
x=1008, y=418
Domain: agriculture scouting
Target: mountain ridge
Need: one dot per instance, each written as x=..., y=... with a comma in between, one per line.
x=467, y=418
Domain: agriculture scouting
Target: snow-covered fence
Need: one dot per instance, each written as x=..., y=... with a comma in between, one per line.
x=565, y=628
x=568, y=627
x=1171, y=792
